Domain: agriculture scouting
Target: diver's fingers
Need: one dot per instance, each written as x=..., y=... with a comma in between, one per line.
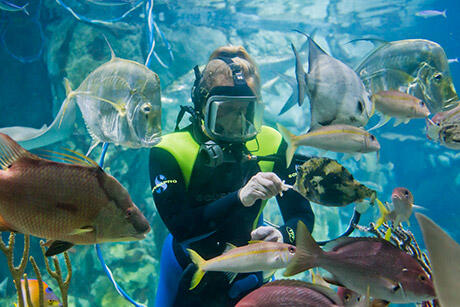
x=275, y=184
x=269, y=185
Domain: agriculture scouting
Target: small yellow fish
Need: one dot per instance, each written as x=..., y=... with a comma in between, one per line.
x=49, y=297
x=257, y=256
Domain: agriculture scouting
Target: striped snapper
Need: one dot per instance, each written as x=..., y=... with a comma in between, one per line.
x=65, y=203
x=254, y=257
x=337, y=138
x=418, y=67
x=292, y=293
x=400, y=105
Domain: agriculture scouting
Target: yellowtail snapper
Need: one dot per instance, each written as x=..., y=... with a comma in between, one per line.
x=256, y=256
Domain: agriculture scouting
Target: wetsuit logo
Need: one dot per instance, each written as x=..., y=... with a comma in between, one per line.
x=161, y=184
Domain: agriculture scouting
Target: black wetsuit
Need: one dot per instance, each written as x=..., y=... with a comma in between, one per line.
x=209, y=214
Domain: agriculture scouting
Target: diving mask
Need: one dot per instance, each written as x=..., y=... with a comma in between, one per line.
x=232, y=119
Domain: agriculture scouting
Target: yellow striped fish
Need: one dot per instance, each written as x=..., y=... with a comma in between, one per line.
x=337, y=138
x=254, y=257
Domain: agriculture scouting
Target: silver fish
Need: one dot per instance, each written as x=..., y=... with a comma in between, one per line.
x=337, y=95
x=445, y=261
x=431, y=13
x=121, y=103
x=415, y=66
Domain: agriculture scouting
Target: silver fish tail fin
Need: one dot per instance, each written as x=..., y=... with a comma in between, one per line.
x=307, y=253
x=294, y=98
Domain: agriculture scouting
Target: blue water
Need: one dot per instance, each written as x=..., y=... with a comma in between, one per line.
x=38, y=50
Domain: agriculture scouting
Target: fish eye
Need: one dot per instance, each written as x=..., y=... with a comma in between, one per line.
x=421, y=277
x=372, y=137
x=396, y=288
x=291, y=249
x=422, y=104
x=347, y=297
x=406, y=193
x=146, y=108
x=438, y=77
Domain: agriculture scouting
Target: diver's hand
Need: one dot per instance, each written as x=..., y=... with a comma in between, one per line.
x=267, y=233
x=260, y=186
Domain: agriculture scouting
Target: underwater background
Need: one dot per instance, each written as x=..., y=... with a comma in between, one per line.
x=39, y=50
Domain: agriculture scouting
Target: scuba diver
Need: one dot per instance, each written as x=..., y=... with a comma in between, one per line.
x=211, y=180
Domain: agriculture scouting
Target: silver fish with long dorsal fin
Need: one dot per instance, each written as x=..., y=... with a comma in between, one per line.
x=417, y=67
x=337, y=95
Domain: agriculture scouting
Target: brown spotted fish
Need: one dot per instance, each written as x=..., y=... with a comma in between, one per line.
x=324, y=181
x=65, y=203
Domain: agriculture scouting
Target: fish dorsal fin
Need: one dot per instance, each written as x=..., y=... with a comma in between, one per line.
x=256, y=241
x=376, y=41
x=228, y=247
x=112, y=53
x=340, y=242
x=10, y=151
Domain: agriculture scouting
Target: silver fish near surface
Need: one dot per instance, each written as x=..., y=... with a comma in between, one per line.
x=431, y=13
x=365, y=264
x=445, y=261
x=414, y=66
x=336, y=93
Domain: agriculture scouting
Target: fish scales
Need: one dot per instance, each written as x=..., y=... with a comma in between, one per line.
x=34, y=185
x=74, y=203
x=290, y=293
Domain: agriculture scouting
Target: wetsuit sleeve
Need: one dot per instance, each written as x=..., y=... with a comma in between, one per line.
x=178, y=212
x=293, y=206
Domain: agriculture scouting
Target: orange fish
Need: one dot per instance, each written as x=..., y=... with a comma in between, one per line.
x=49, y=297
x=66, y=203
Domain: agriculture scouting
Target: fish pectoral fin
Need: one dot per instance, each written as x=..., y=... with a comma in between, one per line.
x=81, y=230
x=230, y=276
x=333, y=281
x=228, y=246
x=256, y=241
x=268, y=274
x=4, y=226
x=57, y=247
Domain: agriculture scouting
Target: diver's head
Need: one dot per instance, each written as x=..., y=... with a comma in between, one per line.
x=227, y=96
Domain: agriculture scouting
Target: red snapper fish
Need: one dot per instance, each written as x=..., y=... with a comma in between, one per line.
x=292, y=293
x=365, y=265
x=65, y=203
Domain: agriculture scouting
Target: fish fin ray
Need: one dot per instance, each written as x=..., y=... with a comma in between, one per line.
x=291, y=145
x=300, y=76
x=81, y=230
x=199, y=262
x=228, y=246
x=57, y=247
x=10, y=151
x=230, y=276
x=306, y=254
x=65, y=157
x=383, y=120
